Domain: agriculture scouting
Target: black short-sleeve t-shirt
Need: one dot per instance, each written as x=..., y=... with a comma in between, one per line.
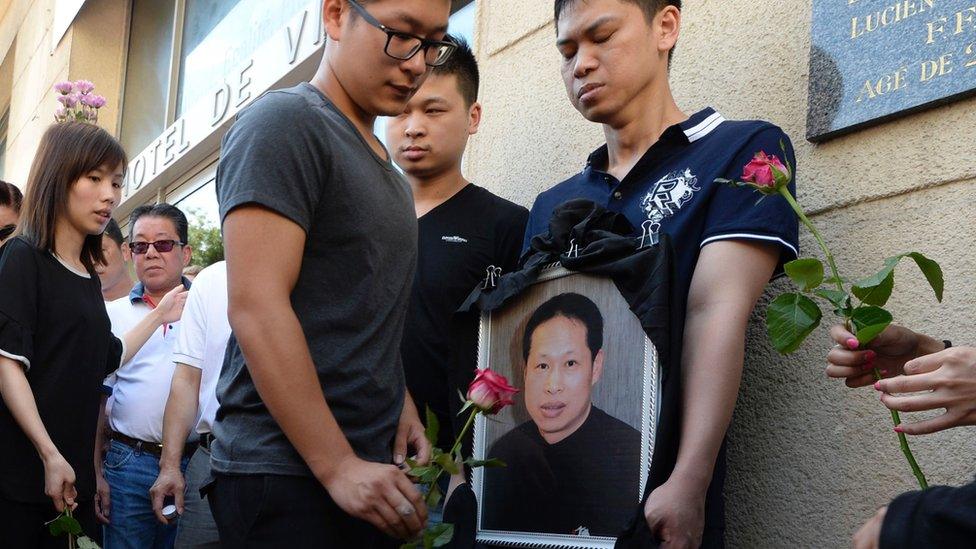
x=458, y=241
x=53, y=322
x=293, y=152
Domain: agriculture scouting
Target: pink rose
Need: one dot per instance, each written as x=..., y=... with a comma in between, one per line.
x=84, y=87
x=490, y=391
x=759, y=171
x=64, y=88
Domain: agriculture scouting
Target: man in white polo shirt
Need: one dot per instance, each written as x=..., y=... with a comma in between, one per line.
x=199, y=354
x=160, y=251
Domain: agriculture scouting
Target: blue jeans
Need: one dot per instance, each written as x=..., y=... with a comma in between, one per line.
x=130, y=475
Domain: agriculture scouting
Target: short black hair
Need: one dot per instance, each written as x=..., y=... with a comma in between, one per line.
x=10, y=196
x=464, y=67
x=113, y=231
x=649, y=7
x=164, y=210
x=574, y=307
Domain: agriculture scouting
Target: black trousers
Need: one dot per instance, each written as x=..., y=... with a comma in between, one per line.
x=22, y=524
x=255, y=511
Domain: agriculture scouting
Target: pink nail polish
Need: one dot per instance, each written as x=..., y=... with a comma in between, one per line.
x=877, y=385
x=870, y=355
x=899, y=429
x=852, y=343
x=884, y=372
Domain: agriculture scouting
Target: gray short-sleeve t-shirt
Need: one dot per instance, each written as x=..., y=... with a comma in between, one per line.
x=293, y=152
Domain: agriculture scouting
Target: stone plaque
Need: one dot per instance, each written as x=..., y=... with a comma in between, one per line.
x=873, y=60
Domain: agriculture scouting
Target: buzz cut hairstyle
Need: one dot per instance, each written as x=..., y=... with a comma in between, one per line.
x=649, y=7
x=463, y=66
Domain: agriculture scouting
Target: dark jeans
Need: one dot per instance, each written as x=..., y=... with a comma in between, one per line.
x=133, y=524
x=22, y=524
x=281, y=511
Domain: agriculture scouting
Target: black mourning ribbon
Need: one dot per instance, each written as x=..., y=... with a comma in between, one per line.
x=588, y=238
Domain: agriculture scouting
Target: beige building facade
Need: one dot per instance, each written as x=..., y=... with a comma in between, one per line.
x=809, y=459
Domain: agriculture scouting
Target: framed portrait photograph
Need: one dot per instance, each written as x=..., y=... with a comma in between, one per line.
x=579, y=439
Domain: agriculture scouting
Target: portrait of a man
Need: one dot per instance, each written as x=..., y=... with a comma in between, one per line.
x=559, y=478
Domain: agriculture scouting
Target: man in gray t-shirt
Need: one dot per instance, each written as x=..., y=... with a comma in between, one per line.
x=320, y=238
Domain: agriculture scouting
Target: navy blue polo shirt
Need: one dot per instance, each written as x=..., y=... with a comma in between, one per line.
x=672, y=190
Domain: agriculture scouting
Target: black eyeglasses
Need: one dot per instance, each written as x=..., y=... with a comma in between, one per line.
x=403, y=45
x=162, y=246
x=6, y=231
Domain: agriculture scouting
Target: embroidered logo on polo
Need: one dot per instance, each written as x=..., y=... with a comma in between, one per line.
x=669, y=194
x=454, y=239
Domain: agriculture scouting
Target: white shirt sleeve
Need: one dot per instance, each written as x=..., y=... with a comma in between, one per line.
x=191, y=342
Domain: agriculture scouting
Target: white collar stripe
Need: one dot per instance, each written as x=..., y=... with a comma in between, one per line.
x=704, y=128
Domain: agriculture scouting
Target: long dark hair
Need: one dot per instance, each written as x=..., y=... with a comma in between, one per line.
x=68, y=151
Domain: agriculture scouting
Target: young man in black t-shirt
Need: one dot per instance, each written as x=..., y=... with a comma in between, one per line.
x=463, y=231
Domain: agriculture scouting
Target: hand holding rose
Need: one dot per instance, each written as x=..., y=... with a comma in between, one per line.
x=946, y=379
x=488, y=393
x=888, y=352
x=793, y=316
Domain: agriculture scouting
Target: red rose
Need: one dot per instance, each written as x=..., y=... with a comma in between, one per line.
x=766, y=172
x=490, y=391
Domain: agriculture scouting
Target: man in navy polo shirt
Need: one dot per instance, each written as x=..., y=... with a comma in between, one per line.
x=658, y=168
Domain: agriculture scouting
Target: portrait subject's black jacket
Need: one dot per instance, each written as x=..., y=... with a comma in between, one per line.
x=566, y=486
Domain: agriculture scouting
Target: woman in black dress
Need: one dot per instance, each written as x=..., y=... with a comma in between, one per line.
x=55, y=340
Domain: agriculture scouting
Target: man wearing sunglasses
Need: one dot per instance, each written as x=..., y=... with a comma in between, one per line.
x=312, y=389
x=139, y=389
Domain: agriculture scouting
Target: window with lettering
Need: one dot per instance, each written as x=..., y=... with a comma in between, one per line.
x=220, y=36
x=147, y=75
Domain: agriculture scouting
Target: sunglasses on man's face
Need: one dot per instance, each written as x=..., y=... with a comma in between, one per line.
x=161, y=246
x=6, y=231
